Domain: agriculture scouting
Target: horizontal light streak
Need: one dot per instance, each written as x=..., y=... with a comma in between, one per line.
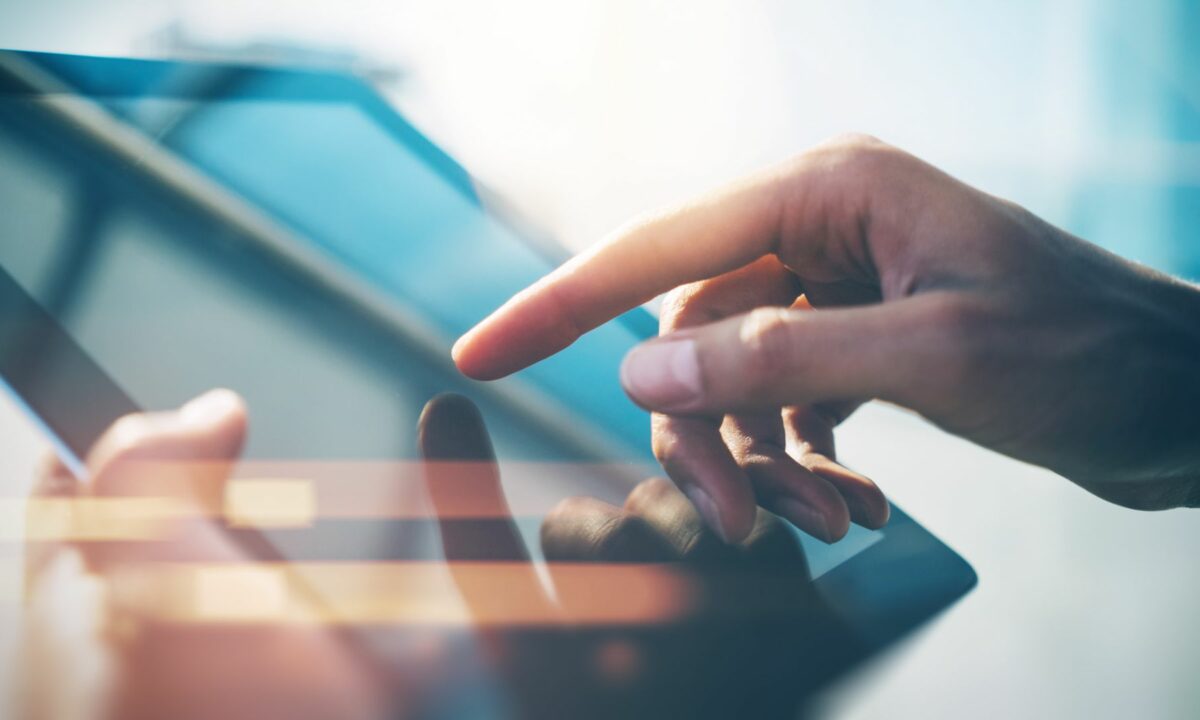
x=405, y=593
x=270, y=503
x=268, y=494
x=92, y=519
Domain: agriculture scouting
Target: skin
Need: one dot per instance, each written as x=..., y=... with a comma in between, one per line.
x=153, y=668
x=754, y=626
x=856, y=272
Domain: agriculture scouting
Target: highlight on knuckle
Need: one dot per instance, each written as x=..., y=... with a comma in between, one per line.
x=859, y=160
x=666, y=446
x=648, y=494
x=566, y=509
x=766, y=336
x=679, y=308
x=857, y=142
x=854, y=148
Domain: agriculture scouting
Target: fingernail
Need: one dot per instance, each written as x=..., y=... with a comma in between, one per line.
x=210, y=406
x=663, y=374
x=708, y=509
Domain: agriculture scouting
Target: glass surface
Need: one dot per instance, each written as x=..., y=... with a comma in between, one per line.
x=171, y=302
x=171, y=298
x=1086, y=113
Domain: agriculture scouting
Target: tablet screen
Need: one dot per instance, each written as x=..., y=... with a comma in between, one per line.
x=289, y=236
x=171, y=300
x=117, y=260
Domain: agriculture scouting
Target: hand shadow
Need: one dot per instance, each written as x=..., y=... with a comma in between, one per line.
x=752, y=638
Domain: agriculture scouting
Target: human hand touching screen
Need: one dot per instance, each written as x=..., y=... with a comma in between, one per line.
x=856, y=272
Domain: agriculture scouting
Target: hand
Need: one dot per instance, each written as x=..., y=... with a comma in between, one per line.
x=748, y=634
x=927, y=293
x=92, y=650
x=760, y=638
x=116, y=626
x=643, y=597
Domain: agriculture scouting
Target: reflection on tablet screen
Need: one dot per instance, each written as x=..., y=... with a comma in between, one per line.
x=173, y=227
x=171, y=301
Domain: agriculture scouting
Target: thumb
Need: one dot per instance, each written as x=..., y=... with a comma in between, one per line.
x=772, y=357
x=180, y=461
x=186, y=453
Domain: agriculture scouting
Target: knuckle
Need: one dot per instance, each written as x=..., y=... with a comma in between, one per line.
x=856, y=142
x=766, y=338
x=840, y=178
x=857, y=158
x=855, y=149
x=675, y=300
x=618, y=536
x=666, y=446
x=648, y=494
x=678, y=308
x=566, y=508
x=581, y=529
x=564, y=515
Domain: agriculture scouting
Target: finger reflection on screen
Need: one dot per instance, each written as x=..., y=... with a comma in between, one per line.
x=632, y=609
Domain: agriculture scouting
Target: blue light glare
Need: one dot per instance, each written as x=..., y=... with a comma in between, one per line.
x=343, y=183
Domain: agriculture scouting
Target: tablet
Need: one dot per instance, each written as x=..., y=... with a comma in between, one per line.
x=169, y=227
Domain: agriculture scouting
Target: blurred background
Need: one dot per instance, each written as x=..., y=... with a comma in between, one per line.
x=589, y=111
x=584, y=113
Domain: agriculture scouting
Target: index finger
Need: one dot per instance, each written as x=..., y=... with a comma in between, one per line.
x=456, y=447
x=722, y=232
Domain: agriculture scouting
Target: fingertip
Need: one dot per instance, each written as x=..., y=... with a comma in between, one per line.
x=448, y=404
x=838, y=524
x=457, y=348
x=871, y=512
x=732, y=521
x=826, y=526
x=477, y=360
x=141, y=453
x=868, y=505
x=879, y=518
x=217, y=421
x=464, y=359
x=217, y=406
x=738, y=527
x=738, y=519
x=451, y=427
x=218, y=417
x=530, y=327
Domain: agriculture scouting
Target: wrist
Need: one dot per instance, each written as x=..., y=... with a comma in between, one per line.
x=1145, y=451
x=1180, y=358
